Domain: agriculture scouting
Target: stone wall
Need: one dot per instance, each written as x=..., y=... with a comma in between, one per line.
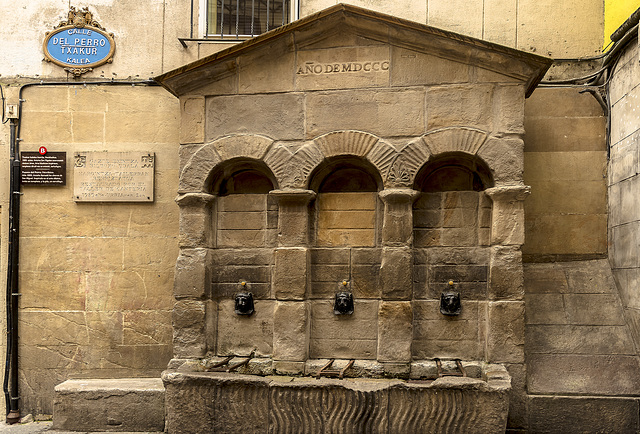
x=624, y=182
x=96, y=278
x=578, y=343
x=565, y=162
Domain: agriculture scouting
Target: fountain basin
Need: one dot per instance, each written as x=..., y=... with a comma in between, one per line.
x=232, y=402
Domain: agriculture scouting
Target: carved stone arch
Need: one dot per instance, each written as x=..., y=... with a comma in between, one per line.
x=348, y=142
x=460, y=160
x=356, y=143
x=455, y=139
x=196, y=173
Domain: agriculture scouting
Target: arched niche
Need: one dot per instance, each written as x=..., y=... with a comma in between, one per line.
x=451, y=227
x=452, y=209
x=245, y=225
x=345, y=256
x=245, y=216
x=346, y=205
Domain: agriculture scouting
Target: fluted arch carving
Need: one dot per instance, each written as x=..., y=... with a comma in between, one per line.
x=195, y=175
x=455, y=139
x=347, y=142
x=354, y=143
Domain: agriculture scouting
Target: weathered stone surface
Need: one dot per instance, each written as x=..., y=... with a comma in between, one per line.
x=346, y=219
x=342, y=68
x=124, y=404
x=506, y=278
x=412, y=68
x=241, y=334
x=459, y=105
x=291, y=273
x=189, y=339
x=395, y=321
x=196, y=171
x=507, y=219
x=291, y=331
x=580, y=414
x=192, y=120
x=437, y=335
x=242, y=145
x=395, y=273
x=193, y=273
x=344, y=336
x=505, y=157
x=505, y=338
x=518, y=409
x=383, y=113
x=276, y=115
x=261, y=71
x=610, y=375
x=579, y=339
x=201, y=402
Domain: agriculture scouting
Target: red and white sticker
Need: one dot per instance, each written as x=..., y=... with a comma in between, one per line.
x=42, y=150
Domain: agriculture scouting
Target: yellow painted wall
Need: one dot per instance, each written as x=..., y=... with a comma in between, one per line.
x=615, y=13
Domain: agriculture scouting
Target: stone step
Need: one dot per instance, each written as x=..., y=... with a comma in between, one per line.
x=123, y=404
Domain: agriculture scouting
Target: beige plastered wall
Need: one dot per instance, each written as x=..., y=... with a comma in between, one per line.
x=97, y=279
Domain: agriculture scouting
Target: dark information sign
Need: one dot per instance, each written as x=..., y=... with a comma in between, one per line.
x=48, y=169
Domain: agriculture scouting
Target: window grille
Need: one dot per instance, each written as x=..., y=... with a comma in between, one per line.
x=229, y=19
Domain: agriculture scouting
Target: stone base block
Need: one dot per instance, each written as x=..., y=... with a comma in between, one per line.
x=123, y=404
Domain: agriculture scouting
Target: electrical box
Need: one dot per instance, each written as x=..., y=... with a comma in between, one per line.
x=12, y=111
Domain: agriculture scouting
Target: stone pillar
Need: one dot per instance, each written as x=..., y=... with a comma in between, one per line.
x=290, y=281
x=505, y=316
x=192, y=280
x=196, y=216
x=397, y=238
x=397, y=226
x=395, y=316
x=293, y=216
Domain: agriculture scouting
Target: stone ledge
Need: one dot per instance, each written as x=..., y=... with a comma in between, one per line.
x=124, y=404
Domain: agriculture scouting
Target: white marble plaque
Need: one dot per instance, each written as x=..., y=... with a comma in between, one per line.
x=113, y=176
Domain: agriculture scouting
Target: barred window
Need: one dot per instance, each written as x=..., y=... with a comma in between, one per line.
x=244, y=18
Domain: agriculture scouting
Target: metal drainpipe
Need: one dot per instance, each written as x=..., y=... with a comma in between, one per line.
x=11, y=364
x=10, y=383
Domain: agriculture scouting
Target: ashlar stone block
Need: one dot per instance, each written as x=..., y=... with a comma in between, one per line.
x=189, y=340
x=506, y=276
x=195, y=220
x=395, y=331
x=293, y=218
x=396, y=274
x=505, y=339
x=291, y=331
x=291, y=273
x=193, y=273
x=192, y=120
